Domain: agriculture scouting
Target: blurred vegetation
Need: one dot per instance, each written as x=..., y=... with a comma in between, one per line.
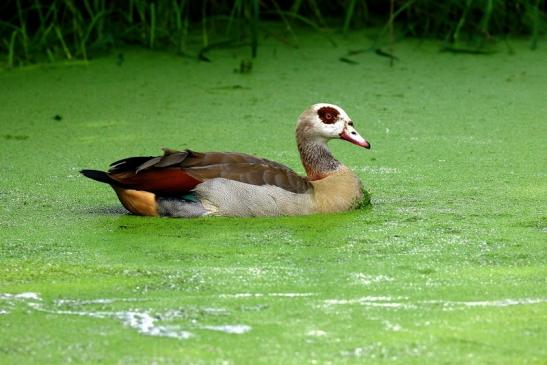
x=39, y=31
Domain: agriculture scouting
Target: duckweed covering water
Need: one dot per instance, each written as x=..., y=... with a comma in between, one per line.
x=446, y=266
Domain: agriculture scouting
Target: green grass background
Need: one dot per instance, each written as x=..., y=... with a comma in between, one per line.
x=34, y=31
x=457, y=174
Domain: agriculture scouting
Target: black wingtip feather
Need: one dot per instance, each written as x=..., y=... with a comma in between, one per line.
x=100, y=176
x=129, y=163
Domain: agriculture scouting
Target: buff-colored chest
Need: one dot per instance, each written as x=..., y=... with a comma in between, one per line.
x=338, y=192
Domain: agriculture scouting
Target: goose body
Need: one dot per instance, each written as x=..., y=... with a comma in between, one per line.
x=192, y=184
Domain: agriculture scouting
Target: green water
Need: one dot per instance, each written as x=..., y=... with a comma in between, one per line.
x=447, y=266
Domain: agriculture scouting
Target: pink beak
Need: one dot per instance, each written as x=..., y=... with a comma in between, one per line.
x=350, y=134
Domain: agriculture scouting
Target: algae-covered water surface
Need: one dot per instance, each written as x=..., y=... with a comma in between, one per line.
x=446, y=266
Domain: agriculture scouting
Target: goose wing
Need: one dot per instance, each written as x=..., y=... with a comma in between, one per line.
x=177, y=172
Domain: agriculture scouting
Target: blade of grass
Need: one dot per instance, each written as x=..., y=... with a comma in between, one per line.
x=8, y=25
x=89, y=29
x=236, y=11
x=461, y=22
x=44, y=37
x=178, y=24
x=11, y=50
x=485, y=21
x=255, y=18
x=386, y=26
x=152, y=24
x=283, y=17
x=77, y=22
x=50, y=55
x=204, y=35
x=186, y=22
x=316, y=11
x=391, y=36
x=77, y=18
x=23, y=30
x=534, y=12
x=100, y=6
x=130, y=12
x=38, y=9
x=308, y=22
x=63, y=43
x=350, y=7
x=142, y=23
x=88, y=8
x=295, y=8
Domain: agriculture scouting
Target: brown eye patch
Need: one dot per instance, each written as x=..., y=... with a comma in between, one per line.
x=327, y=114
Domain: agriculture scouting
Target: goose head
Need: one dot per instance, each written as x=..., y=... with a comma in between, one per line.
x=323, y=122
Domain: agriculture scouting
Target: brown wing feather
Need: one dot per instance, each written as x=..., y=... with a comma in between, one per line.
x=180, y=171
x=252, y=173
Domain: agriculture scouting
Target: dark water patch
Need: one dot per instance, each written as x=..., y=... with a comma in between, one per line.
x=19, y=137
x=230, y=87
x=466, y=51
x=348, y=61
x=381, y=53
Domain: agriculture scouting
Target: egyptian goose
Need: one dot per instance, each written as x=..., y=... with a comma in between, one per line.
x=192, y=184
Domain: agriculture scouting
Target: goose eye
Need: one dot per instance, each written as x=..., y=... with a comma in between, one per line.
x=327, y=114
